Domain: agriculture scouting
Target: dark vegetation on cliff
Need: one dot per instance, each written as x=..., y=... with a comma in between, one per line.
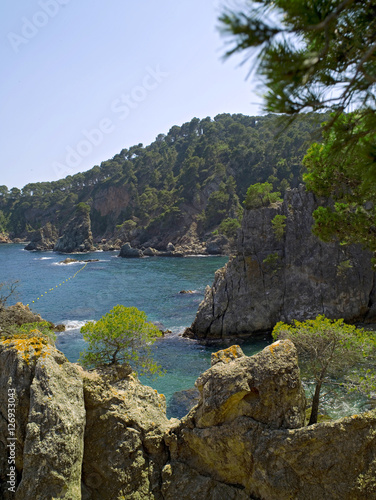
x=198, y=172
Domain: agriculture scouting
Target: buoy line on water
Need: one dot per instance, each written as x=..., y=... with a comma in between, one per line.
x=57, y=286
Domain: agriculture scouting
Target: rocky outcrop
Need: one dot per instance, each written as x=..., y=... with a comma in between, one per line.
x=43, y=239
x=101, y=435
x=245, y=437
x=127, y=252
x=18, y=314
x=4, y=238
x=90, y=435
x=50, y=421
x=281, y=277
x=77, y=236
x=218, y=245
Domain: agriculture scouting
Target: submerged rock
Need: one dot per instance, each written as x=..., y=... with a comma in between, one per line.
x=281, y=277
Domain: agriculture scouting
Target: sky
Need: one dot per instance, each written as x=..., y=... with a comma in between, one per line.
x=84, y=79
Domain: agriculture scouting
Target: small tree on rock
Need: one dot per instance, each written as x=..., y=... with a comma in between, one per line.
x=330, y=348
x=123, y=335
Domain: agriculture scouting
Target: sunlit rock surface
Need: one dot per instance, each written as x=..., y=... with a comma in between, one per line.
x=294, y=277
x=103, y=435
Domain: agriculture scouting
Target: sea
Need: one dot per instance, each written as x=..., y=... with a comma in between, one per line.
x=72, y=294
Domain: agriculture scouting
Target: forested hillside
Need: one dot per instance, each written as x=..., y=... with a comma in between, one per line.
x=199, y=172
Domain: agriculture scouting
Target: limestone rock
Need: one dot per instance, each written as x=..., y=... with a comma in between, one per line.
x=124, y=447
x=227, y=355
x=335, y=461
x=294, y=277
x=4, y=238
x=184, y=483
x=77, y=236
x=44, y=238
x=128, y=252
x=50, y=420
x=265, y=387
x=243, y=440
x=18, y=314
x=246, y=433
x=150, y=252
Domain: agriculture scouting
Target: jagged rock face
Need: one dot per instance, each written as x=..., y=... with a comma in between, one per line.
x=295, y=277
x=246, y=435
x=44, y=239
x=77, y=236
x=17, y=314
x=50, y=420
x=90, y=435
x=265, y=387
x=124, y=448
x=101, y=435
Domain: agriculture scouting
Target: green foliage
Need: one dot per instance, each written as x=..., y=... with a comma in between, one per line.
x=3, y=222
x=350, y=181
x=279, y=226
x=322, y=56
x=229, y=227
x=272, y=262
x=261, y=195
x=330, y=348
x=122, y=335
x=343, y=266
x=42, y=329
x=315, y=55
x=83, y=208
x=127, y=225
x=204, y=166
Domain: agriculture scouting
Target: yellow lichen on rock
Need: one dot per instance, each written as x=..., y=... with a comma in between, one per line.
x=226, y=355
x=29, y=347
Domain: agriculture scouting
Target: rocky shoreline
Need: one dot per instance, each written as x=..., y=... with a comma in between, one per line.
x=285, y=276
x=101, y=434
x=77, y=238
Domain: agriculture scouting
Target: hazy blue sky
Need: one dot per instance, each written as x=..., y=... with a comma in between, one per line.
x=84, y=79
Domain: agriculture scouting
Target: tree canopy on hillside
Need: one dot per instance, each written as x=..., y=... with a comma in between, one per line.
x=321, y=56
x=205, y=164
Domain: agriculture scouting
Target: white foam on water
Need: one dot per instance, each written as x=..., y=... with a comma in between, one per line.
x=74, y=324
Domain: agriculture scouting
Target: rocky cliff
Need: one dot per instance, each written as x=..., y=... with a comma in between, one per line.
x=101, y=435
x=285, y=275
x=77, y=236
x=44, y=238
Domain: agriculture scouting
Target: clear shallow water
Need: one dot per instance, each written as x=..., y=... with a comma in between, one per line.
x=150, y=284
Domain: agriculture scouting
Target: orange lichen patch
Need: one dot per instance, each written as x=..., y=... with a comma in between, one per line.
x=273, y=346
x=227, y=355
x=29, y=347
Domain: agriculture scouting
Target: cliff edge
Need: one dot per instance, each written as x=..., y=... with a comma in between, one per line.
x=285, y=275
x=102, y=435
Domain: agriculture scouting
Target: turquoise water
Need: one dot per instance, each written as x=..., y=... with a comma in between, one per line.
x=150, y=284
